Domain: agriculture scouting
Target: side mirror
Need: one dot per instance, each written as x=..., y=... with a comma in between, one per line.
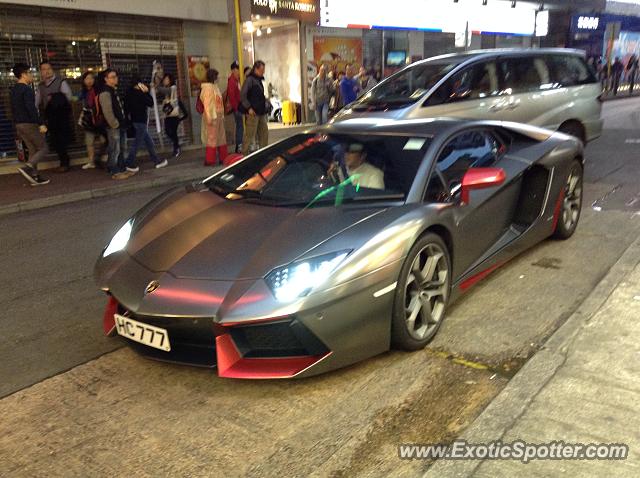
x=480, y=178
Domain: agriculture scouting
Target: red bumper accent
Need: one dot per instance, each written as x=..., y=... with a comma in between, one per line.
x=231, y=364
x=479, y=276
x=108, y=321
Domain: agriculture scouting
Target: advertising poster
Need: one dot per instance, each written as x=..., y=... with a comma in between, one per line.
x=336, y=52
x=198, y=66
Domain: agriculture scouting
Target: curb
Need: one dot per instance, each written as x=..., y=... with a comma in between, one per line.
x=59, y=199
x=513, y=401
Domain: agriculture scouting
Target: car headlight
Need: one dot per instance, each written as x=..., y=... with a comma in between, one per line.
x=299, y=278
x=120, y=239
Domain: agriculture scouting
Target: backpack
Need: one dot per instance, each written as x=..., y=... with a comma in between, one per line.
x=98, y=116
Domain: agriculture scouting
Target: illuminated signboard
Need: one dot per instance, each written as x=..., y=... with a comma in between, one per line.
x=435, y=15
x=588, y=23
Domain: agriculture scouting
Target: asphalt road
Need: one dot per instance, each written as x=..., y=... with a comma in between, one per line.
x=64, y=413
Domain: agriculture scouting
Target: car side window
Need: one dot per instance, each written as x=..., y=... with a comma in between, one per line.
x=436, y=190
x=523, y=74
x=569, y=70
x=474, y=82
x=479, y=149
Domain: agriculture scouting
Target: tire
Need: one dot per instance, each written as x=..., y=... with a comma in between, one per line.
x=573, y=128
x=569, y=215
x=426, y=303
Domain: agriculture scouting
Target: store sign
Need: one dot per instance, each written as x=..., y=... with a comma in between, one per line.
x=441, y=15
x=588, y=23
x=303, y=10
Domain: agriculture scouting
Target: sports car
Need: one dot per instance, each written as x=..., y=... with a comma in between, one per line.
x=336, y=244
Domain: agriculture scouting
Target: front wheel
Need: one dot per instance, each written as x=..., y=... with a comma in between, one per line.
x=422, y=294
x=571, y=203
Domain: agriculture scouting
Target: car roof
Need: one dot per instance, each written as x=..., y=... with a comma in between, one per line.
x=494, y=52
x=373, y=125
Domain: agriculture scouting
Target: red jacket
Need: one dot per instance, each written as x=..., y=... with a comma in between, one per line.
x=233, y=92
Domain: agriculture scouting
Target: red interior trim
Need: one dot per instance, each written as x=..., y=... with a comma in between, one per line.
x=479, y=276
x=232, y=365
x=108, y=320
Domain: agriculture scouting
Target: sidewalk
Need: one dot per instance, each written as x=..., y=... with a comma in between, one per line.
x=582, y=387
x=17, y=195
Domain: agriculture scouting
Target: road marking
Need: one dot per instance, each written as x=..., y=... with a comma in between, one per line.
x=386, y=290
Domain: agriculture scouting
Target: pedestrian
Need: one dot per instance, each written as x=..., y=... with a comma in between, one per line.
x=137, y=102
x=92, y=132
x=335, y=103
x=632, y=71
x=29, y=127
x=321, y=92
x=349, y=86
x=367, y=81
x=113, y=112
x=173, y=110
x=57, y=115
x=233, y=95
x=246, y=72
x=616, y=72
x=212, y=129
x=254, y=104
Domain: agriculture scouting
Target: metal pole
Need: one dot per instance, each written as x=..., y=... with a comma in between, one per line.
x=384, y=62
x=239, y=38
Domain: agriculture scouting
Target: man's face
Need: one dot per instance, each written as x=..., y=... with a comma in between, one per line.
x=363, y=72
x=353, y=159
x=323, y=70
x=260, y=70
x=349, y=71
x=28, y=77
x=112, y=79
x=46, y=71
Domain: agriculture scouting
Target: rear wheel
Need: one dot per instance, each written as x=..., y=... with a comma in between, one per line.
x=571, y=203
x=422, y=294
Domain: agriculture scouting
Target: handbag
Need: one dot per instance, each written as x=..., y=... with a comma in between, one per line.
x=228, y=109
x=167, y=109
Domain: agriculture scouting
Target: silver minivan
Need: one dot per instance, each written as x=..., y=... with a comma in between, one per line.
x=550, y=87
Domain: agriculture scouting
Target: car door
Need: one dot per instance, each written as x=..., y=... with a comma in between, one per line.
x=465, y=94
x=526, y=93
x=489, y=212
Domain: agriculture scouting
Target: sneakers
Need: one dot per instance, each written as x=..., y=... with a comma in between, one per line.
x=162, y=164
x=120, y=176
x=89, y=165
x=177, y=152
x=31, y=175
x=134, y=169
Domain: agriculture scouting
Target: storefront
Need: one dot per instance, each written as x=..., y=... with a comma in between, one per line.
x=80, y=36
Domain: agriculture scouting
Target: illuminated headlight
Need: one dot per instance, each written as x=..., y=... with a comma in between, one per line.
x=299, y=278
x=120, y=240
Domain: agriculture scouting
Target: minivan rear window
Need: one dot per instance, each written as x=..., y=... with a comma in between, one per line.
x=569, y=70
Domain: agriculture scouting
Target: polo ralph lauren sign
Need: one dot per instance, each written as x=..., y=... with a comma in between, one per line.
x=303, y=10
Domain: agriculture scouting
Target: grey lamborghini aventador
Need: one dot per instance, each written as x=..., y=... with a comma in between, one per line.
x=334, y=245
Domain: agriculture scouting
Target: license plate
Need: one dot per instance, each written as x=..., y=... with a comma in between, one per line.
x=143, y=333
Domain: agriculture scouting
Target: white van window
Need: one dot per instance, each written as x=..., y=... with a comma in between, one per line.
x=569, y=70
x=522, y=74
x=474, y=82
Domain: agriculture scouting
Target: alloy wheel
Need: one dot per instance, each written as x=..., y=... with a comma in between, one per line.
x=426, y=291
x=572, y=199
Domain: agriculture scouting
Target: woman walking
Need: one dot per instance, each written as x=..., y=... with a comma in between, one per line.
x=212, y=131
x=92, y=131
x=172, y=109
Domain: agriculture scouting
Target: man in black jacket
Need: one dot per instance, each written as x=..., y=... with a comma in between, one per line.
x=254, y=105
x=29, y=127
x=113, y=112
x=137, y=102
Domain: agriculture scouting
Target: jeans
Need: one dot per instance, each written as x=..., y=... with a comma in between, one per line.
x=256, y=126
x=142, y=136
x=34, y=140
x=171, y=128
x=115, y=150
x=322, y=112
x=239, y=128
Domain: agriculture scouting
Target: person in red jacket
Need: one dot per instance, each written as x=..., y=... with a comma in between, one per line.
x=233, y=94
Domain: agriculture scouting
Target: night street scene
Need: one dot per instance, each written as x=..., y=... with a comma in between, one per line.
x=320, y=238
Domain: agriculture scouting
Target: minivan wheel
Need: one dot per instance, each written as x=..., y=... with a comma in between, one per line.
x=422, y=294
x=573, y=128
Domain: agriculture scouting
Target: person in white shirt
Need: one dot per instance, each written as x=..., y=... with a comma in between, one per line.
x=360, y=171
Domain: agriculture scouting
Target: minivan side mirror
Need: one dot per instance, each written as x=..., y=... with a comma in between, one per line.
x=480, y=178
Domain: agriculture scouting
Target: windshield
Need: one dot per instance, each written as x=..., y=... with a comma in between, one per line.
x=322, y=170
x=410, y=84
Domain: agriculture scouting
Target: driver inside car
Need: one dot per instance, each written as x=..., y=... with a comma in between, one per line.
x=361, y=172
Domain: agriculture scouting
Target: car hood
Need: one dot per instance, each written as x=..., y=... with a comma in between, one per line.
x=203, y=236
